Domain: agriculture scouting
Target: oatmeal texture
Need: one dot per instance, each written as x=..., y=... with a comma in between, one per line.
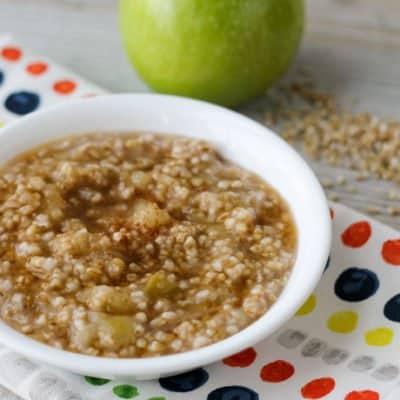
x=136, y=245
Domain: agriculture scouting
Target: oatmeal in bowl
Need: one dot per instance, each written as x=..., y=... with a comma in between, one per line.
x=136, y=245
x=131, y=245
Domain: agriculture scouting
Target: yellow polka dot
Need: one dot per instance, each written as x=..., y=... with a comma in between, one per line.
x=308, y=306
x=1, y=124
x=379, y=337
x=343, y=321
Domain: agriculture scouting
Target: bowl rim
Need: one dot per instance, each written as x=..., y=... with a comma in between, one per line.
x=174, y=363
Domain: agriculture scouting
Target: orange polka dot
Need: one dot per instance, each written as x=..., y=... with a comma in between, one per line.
x=64, y=87
x=362, y=395
x=332, y=213
x=242, y=359
x=277, y=371
x=318, y=388
x=37, y=68
x=11, y=53
x=391, y=251
x=357, y=234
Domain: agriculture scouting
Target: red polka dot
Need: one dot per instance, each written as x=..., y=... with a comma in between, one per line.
x=357, y=234
x=37, y=68
x=318, y=388
x=11, y=53
x=64, y=87
x=277, y=371
x=391, y=251
x=362, y=395
x=332, y=213
x=242, y=359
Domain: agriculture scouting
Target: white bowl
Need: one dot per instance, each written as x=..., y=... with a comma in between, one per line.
x=239, y=139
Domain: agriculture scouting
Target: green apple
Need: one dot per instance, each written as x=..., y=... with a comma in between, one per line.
x=224, y=51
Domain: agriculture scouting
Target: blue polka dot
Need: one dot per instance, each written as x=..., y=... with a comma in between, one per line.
x=233, y=393
x=185, y=382
x=328, y=261
x=356, y=284
x=392, y=309
x=22, y=103
x=1, y=77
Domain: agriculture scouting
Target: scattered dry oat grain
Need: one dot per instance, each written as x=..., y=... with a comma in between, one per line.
x=313, y=119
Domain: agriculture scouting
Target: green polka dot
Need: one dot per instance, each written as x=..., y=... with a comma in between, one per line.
x=343, y=321
x=157, y=398
x=125, y=391
x=96, y=381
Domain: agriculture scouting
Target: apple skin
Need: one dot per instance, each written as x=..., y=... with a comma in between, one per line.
x=223, y=51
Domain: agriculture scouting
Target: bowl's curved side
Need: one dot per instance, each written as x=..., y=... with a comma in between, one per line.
x=239, y=139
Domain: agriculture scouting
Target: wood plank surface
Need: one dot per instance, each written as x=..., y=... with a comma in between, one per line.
x=351, y=47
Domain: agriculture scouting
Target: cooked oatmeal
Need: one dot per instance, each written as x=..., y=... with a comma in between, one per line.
x=135, y=245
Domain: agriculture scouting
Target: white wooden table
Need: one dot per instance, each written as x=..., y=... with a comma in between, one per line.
x=351, y=47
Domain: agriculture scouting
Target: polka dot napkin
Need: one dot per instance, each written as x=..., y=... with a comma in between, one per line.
x=342, y=344
x=29, y=82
